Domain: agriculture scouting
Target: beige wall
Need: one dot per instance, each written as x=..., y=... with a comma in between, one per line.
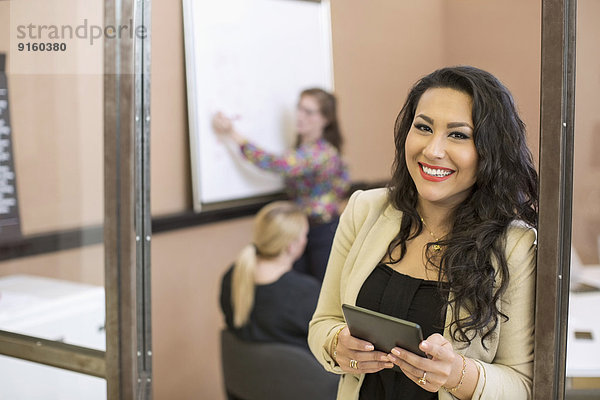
x=502, y=37
x=187, y=266
x=376, y=59
x=380, y=48
x=170, y=153
x=4, y=27
x=57, y=133
x=586, y=171
x=84, y=264
x=57, y=122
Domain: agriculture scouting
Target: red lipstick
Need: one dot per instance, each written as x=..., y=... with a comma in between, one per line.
x=434, y=178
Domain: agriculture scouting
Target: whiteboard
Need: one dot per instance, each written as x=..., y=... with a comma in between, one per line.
x=249, y=59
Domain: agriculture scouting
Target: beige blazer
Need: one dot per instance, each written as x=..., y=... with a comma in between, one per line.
x=367, y=226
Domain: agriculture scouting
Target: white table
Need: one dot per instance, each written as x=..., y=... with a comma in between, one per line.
x=590, y=275
x=55, y=310
x=583, y=355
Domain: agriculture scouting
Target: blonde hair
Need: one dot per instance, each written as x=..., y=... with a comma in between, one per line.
x=276, y=226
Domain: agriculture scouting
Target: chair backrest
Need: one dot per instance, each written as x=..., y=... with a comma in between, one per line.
x=265, y=371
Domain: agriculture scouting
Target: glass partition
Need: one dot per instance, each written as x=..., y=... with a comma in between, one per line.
x=51, y=111
x=52, y=208
x=583, y=340
x=72, y=129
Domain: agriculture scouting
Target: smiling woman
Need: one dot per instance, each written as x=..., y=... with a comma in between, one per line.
x=440, y=151
x=450, y=246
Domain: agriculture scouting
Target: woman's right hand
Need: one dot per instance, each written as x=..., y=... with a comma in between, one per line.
x=357, y=356
x=224, y=126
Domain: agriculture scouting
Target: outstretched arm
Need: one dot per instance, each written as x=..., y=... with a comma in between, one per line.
x=293, y=163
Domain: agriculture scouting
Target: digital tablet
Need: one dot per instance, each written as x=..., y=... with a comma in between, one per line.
x=383, y=331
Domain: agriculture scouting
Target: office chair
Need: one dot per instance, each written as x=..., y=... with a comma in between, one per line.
x=273, y=371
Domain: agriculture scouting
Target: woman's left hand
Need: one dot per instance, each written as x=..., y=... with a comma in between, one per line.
x=442, y=369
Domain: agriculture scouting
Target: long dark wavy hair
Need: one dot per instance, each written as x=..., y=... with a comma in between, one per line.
x=505, y=190
x=328, y=108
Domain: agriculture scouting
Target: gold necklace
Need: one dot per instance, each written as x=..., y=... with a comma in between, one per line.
x=436, y=246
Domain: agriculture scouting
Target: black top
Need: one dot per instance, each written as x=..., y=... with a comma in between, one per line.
x=281, y=312
x=412, y=299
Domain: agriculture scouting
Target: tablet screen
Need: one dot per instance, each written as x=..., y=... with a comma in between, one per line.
x=383, y=331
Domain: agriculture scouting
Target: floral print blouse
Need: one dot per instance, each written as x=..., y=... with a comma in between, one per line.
x=315, y=176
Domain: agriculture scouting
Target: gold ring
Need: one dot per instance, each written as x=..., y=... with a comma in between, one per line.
x=423, y=380
x=354, y=364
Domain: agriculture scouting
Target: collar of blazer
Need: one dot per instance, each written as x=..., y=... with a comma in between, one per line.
x=370, y=245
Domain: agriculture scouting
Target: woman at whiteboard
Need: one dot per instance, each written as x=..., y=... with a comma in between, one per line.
x=315, y=176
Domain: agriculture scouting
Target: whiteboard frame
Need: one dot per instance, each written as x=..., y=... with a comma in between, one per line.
x=193, y=120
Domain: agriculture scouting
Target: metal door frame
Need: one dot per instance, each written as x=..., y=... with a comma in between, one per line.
x=557, y=110
x=127, y=223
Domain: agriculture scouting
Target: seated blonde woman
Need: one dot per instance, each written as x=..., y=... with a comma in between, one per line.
x=262, y=298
